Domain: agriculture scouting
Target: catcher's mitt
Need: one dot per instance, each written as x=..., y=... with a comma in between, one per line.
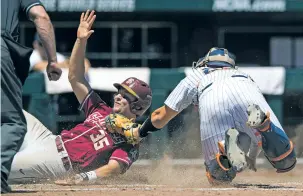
x=117, y=123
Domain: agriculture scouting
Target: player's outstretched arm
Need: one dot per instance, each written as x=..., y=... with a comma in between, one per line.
x=157, y=120
x=76, y=74
x=184, y=94
x=111, y=169
x=161, y=116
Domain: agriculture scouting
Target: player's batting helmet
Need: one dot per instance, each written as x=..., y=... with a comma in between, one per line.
x=216, y=58
x=141, y=91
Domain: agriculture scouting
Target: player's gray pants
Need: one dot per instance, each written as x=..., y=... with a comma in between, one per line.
x=223, y=106
x=38, y=158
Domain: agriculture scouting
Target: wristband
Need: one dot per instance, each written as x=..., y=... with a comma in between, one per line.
x=89, y=176
x=147, y=128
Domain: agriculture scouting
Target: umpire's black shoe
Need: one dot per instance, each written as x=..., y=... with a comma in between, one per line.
x=5, y=189
x=4, y=186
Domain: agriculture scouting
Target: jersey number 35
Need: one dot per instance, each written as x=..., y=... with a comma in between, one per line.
x=99, y=140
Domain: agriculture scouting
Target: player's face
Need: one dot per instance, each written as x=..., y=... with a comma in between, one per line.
x=122, y=102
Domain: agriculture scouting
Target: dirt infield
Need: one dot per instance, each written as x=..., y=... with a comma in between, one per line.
x=167, y=181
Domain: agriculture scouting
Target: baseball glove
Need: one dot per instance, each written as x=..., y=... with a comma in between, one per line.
x=117, y=123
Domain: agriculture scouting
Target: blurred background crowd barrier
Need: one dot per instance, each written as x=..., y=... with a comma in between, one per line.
x=157, y=41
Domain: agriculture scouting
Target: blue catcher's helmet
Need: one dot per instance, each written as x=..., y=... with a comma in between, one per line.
x=216, y=58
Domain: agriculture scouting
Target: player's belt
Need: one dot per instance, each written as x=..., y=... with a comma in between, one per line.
x=63, y=153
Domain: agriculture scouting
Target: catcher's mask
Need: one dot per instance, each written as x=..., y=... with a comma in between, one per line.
x=216, y=58
x=141, y=91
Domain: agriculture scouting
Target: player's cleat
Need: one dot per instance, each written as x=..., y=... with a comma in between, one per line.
x=233, y=151
x=277, y=147
x=257, y=118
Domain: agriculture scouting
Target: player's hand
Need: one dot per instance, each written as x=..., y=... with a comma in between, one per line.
x=70, y=181
x=74, y=180
x=117, y=123
x=66, y=182
x=81, y=178
x=86, y=21
x=53, y=72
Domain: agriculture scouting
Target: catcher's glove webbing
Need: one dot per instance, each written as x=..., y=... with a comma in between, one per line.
x=117, y=123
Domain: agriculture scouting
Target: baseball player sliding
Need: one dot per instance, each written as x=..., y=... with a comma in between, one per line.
x=97, y=148
x=234, y=118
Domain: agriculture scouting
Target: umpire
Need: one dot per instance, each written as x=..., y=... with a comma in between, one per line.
x=14, y=70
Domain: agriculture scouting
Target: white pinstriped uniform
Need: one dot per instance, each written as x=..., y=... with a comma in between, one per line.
x=222, y=101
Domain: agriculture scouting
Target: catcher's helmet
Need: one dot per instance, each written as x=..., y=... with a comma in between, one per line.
x=141, y=91
x=216, y=58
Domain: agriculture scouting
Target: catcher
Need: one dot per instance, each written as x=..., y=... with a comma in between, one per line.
x=97, y=148
x=235, y=119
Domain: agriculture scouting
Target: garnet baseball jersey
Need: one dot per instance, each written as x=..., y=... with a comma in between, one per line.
x=90, y=145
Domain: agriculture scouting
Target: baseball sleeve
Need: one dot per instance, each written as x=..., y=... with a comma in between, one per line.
x=185, y=93
x=26, y=5
x=91, y=102
x=125, y=156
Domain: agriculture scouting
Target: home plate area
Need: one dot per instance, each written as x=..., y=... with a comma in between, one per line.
x=176, y=180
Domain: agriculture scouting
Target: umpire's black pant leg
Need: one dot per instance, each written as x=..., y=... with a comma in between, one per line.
x=13, y=123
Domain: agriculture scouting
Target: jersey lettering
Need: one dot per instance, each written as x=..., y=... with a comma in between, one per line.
x=117, y=138
x=99, y=140
x=96, y=118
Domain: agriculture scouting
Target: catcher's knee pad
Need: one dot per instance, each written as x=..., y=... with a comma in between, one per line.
x=220, y=171
x=278, y=149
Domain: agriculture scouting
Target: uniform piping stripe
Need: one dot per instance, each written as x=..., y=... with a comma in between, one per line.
x=79, y=135
x=30, y=6
x=120, y=160
x=87, y=96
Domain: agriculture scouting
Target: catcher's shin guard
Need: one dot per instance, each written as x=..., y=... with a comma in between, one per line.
x=277, y=147
x=220, y=171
